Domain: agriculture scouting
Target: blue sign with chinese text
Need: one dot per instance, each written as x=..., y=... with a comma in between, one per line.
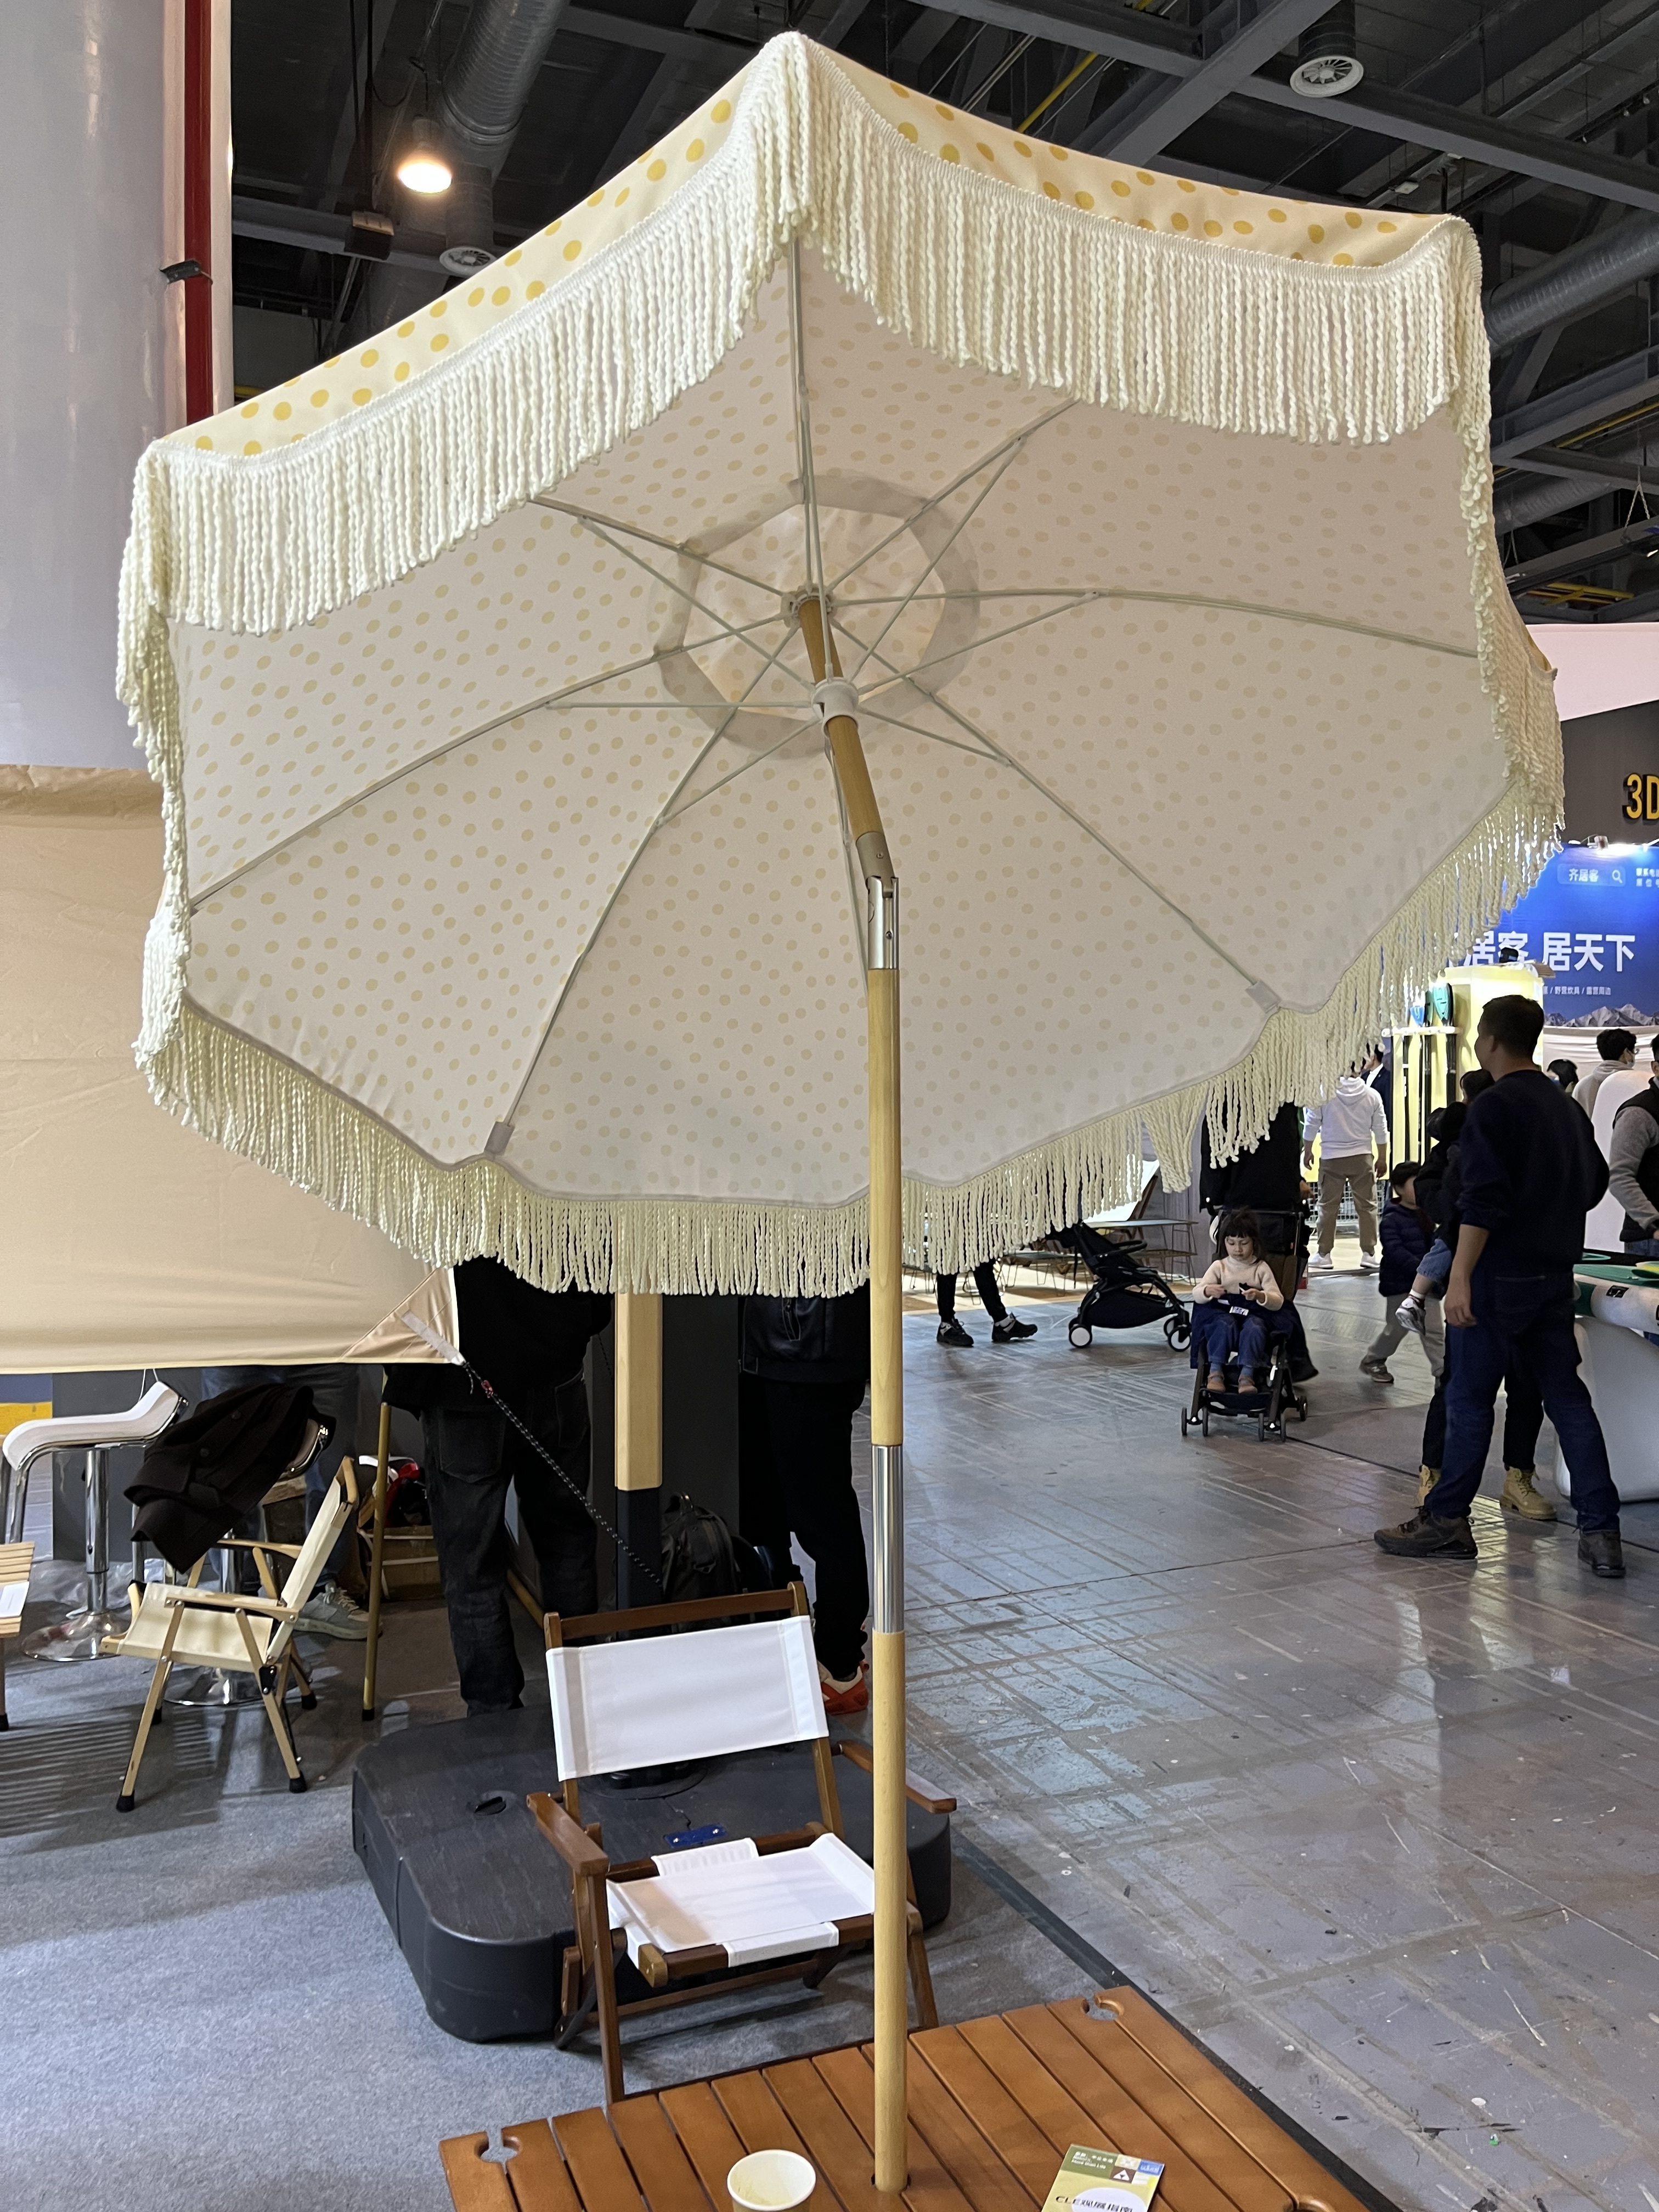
x=1593, y=920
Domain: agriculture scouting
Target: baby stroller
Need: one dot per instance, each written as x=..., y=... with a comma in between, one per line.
x=1289, y=1364
x=1124, y=1294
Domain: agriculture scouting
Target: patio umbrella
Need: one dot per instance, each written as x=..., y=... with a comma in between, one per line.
x=544, y=692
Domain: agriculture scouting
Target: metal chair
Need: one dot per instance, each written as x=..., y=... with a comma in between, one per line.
x=81, y=1635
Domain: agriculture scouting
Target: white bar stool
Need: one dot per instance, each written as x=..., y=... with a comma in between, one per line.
x=80, y=1636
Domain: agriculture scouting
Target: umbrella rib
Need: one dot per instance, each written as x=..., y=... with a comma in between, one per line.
x=1009, y=446
x=743, y=768
x=650, y=536
x=996, y=752
x=470, y=736
x=725, y=629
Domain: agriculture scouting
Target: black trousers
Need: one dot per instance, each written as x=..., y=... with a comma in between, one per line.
x=471, y=1455
x=796, y=1478
x=1523, y=1417
x=985, y=1280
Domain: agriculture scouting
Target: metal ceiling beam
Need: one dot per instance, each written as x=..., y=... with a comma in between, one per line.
x=1578, y=406
x=1579, y=559
x=1176, y=107
x=319, y=232
x=658, y=38
x=1117, y=32
x=1586, y=468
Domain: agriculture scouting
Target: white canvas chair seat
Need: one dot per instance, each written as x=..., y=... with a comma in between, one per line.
x=729, y=1897
x=204, y=1637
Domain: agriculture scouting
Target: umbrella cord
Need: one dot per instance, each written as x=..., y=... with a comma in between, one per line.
x=651, y=1574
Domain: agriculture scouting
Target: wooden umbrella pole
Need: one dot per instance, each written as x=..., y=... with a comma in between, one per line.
x=376, y=1558
x=836, y=700
x=637, y=1450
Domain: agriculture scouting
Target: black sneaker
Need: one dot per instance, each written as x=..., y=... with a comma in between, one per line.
x=951, y=1331
x=1602, y=1551
x=1012, y=1330
x=1423, y=1537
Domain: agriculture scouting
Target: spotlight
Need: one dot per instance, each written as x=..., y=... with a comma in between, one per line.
x=422, y=167
x=1327, y=61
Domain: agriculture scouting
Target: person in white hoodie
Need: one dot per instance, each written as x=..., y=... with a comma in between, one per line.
x=1353, y=1134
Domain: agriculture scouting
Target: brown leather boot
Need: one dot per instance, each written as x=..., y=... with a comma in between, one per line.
x=1520, y=1495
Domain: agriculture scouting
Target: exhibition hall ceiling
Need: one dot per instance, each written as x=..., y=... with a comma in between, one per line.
x=1533, y=119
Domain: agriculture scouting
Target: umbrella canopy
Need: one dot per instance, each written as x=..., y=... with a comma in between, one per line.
x=509, y=900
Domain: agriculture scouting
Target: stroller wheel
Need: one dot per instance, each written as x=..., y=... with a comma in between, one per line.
x=1081, y=1334
x=1186, y=1420
x=1177, y=1331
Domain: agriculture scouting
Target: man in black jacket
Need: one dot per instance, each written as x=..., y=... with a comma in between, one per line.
x=531, y=1343
x=803, y=1370
x=1528, y=1172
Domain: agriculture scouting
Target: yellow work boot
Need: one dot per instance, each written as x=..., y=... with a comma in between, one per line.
x=1520, y=1495
x=1426, y=1479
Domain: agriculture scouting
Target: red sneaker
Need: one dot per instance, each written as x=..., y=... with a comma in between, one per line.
x=851, y=1696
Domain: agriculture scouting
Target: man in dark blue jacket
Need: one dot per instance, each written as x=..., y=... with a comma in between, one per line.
x=1529, y=1172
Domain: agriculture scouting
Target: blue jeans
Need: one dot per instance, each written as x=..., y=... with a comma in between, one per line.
x=1223, y=1334
x=1436, y=1262
x=1525, y=1321
x=1645, y=1248
x=334, y=1393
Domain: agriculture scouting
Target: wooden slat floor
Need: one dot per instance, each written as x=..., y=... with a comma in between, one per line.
x=994, y=2105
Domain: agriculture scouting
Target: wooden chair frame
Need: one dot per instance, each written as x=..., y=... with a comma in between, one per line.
x=588, y=1981
x=270, y=1669
x=16, y=1565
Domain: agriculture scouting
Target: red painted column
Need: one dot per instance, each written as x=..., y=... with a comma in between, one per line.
x=198, y=208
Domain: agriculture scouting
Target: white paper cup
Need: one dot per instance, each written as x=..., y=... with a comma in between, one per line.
x=770, y=2181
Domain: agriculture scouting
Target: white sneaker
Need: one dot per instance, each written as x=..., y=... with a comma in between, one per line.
x=1368, y=1263
x=331, y=1612
x=1319, y=1265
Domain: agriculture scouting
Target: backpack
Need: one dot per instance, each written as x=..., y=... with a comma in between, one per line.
x=702, y=1557
x=207, y=1472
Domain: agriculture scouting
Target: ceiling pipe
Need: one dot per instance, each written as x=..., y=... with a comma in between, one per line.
x=1517, y=502
x=479, y=107
x=1574, y=282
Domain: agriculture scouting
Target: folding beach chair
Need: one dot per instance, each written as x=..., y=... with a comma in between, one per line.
x=728, y=1915
x=17, y=1563
x=177, y=1624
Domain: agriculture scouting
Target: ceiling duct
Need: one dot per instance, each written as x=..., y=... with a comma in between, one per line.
x=1520, y=499
x=1327, y=61
x=469, y=220
x=478, y=109
x=1574, y=282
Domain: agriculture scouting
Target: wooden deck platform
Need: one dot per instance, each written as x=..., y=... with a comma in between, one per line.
x=994, y=2103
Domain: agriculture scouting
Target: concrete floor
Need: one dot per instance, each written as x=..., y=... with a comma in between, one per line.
x=1306, y=1795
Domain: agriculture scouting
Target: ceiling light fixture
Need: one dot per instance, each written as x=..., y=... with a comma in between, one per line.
x=422, y=167
x=1327, y=60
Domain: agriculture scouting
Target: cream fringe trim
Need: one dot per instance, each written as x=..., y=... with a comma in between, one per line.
x=972, y=271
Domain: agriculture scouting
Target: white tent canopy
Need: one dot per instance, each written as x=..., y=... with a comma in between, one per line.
x=130, y=1240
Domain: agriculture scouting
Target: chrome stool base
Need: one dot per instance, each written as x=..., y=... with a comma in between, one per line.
x=81, y=1636
x=209, y=1686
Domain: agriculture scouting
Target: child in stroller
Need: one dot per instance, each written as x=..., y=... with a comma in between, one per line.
x=1265, y=1335
x=1239, y=1291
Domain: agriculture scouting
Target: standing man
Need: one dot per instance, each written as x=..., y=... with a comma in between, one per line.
x=1633, y=1162
x=1353, y=1140
x=531, y=1343
x=1530, y=1172
x=1615, y=1049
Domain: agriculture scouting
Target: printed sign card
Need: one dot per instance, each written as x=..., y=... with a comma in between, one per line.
x=1102, y=2181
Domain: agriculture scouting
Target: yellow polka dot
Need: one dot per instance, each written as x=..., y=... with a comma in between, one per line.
x=1316, y=231
x=1295, y=257
x=533, y=291
x=622, y=196
x=251, y=446
x=573, y=249
x=1177, y=222
x=949, y=153
x=721, y=110
x=1146, y=176
x=1212, y=230
x=1083, y=199
x=657, y=172
x=1245, y=227
x=989, y=152
x=1387, y=226
x=554, y=228
x=400, y=371
x=403, y=328
x=1145, y=222
x=1185, y=186
x=439, y=307
x=252, y=407
x=501, y=296
x=1275, y=214
x=1052, y=189
x=207, y=442
x=475, y=295
x=367, y=360
x=908, y=130
x=1020, y=147
x=1342, y=260
x=282, y=410
x=361, y=398
x=902, y=90
x=1059, y=152
x=1119, y=188
x=1353, y=218
x=514, y=258
x=694, y=151
x=440, y=342
x=939, y=108
x=319, y=399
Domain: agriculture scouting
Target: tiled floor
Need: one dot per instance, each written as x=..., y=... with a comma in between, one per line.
x=1305, y=1794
